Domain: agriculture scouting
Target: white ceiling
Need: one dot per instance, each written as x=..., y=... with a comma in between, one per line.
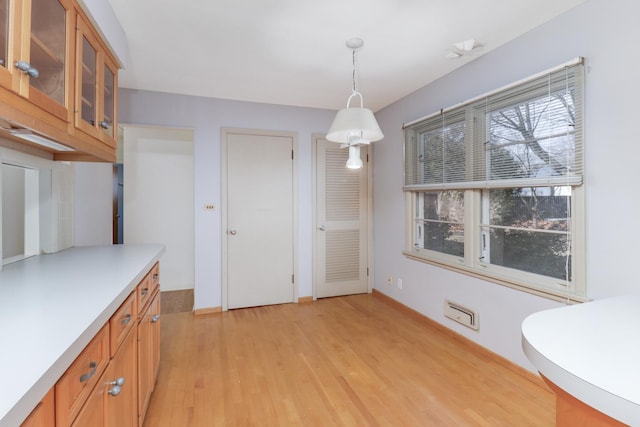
x=293, y=52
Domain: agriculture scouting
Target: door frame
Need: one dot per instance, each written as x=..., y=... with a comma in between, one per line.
x=224, y=198
x=314, y=195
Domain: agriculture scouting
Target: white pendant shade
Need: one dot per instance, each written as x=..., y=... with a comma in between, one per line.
x=354, y=162
x=354, y=122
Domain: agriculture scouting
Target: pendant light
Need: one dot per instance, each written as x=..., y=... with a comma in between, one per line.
x=354, y=126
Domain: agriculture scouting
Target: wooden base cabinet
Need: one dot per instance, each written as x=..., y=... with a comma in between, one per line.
x=113, y=401
x=111, y=381
x=148, y=342
x=44, y=414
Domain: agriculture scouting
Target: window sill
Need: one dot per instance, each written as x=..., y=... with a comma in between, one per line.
x=549, y=294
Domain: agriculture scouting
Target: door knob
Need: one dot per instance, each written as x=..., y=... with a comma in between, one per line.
x=322, y=228
x=233, y=231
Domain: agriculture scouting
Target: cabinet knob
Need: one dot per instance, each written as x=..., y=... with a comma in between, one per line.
x=117, y=386
x=155, y=318
x=27, y=69
x=118, y=382
x=144, y=291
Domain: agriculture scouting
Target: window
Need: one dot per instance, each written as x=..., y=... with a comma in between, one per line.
x=494, y=186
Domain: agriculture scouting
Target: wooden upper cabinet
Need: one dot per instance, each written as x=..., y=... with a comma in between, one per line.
x=36, y=45
x=96, y=86
x=58, y=80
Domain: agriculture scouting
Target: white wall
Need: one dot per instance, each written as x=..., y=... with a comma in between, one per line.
x=207, y=117
x=93, y=204
x=13, y=210
x=158, y=198
x=600, y=31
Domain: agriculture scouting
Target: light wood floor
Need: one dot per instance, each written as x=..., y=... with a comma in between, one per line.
x=348, y=361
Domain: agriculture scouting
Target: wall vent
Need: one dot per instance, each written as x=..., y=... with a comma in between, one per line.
x=463, y=315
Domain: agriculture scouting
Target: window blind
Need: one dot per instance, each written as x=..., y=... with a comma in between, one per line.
x=526, y=135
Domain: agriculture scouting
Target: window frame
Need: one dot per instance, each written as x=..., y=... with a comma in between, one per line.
x=471, y=263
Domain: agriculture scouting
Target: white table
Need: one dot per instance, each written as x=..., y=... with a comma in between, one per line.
x=592, y=352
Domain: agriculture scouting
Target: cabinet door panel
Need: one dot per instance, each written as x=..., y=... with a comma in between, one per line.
x=87, y=78
x=92, y=413
x=5, y=28
x=144, y=357
x=121, y=408
x=51, y=21
x=109, y=104
x=43, y=415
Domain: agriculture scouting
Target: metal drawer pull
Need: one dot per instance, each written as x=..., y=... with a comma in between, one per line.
x=93, y=366
x=155, y=318
x=117, y=386
x=144, y=291
x=155, y=276
x=126, y=319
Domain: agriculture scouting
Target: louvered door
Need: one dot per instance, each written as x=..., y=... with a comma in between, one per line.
x=341, y=245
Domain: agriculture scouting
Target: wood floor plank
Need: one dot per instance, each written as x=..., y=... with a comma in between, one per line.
x=347, y=361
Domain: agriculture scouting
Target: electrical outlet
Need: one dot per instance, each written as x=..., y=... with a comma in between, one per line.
x=209, y=207
x=399, y=283
x=390, y=280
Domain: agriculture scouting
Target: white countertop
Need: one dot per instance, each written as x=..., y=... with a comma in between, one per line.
x=51, y=306
x=592, y=351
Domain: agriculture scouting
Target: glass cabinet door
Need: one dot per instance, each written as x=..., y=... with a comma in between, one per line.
x=6, y=68
x=88, y=110
x=48, y=48
x=4, y=33
x=109, y=101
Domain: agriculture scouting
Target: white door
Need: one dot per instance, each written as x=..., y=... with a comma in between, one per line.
x=341, y=237
x=259, y=219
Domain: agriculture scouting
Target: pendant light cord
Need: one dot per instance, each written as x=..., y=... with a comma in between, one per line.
x=354, y=89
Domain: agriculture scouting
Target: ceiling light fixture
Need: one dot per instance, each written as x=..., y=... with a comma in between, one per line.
x=462, y=48
x=354, y=126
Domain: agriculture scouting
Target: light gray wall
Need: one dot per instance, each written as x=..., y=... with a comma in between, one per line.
x=600, y=31
x=93, y=204
x=207, y=117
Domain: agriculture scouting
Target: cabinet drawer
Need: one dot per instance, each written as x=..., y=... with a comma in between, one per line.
x=77, y=382
x=122, y=321
x=147, y=287
x=144, y=292
x=155, y=276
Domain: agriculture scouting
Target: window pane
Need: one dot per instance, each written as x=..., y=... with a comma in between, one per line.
x=48, y=47
x=439, y=222
x=528, y=230
x=442, y=155
x=534, y=138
